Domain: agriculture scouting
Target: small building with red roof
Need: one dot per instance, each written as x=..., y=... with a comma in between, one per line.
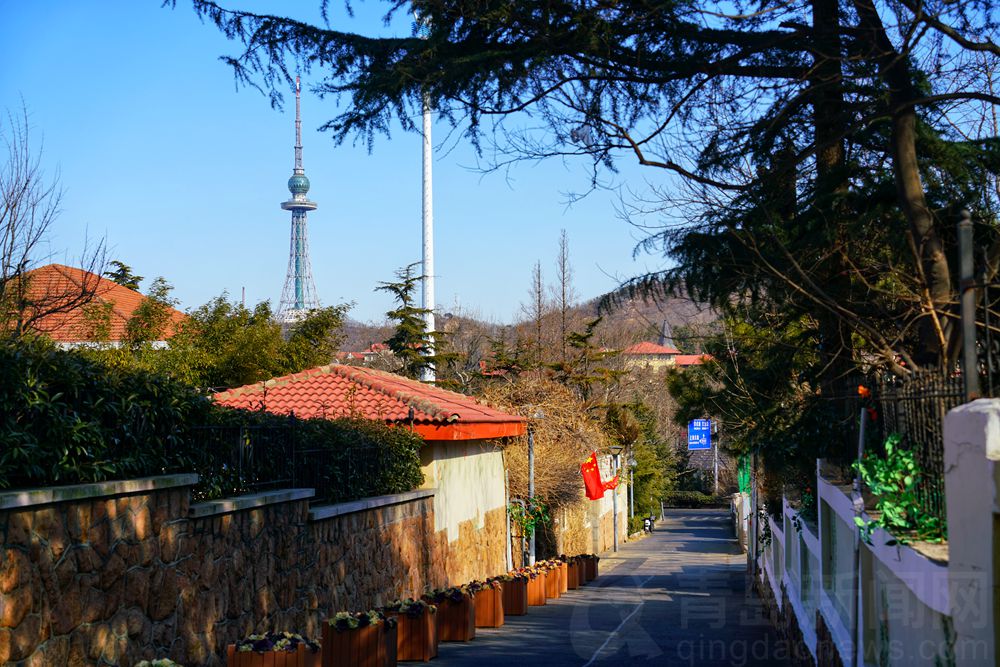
x=650, y=355
x=462, y=459
x=63, y=296
x=658, y=356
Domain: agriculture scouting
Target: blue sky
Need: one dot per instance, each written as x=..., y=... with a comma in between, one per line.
x=182, y=175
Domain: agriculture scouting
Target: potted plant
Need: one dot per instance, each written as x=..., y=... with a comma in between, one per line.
x=552, y=588
x=572, y=575
x=489, y=602
x=416, y=629
x=563, y=575
x=280, y=649
x=590, y=565
x=362, y=639
x=536, y=584
x=456, y=616
x=514, y=587
x=158, y=662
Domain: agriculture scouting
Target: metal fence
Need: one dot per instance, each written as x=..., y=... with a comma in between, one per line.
x=244, y=459
x=914, y=408
x=987, y=321
x=237, y=460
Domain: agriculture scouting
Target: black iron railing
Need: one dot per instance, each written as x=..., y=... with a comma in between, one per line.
x=988, y=338
x=240, y=459
x=243, y=459
x=915, y=407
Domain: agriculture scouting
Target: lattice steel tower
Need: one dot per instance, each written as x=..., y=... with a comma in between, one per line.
x=299, y=295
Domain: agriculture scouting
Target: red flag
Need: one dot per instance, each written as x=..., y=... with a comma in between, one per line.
x=592, y=477
x=613, y=484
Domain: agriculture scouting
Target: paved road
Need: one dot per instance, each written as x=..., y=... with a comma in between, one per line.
x=675, y=597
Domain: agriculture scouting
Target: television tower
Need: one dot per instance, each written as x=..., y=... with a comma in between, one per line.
x=299, y=295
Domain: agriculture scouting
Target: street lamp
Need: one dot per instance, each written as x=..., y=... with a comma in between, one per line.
x=615, y=451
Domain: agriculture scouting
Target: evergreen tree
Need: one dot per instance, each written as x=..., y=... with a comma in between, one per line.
x=416, y=348
x=123, y=275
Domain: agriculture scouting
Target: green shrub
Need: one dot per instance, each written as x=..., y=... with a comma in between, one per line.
x=343, y=459
x=694, y=499
x=65, y=419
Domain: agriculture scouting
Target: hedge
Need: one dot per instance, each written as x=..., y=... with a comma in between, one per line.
x=694, y=499
x=67, y=419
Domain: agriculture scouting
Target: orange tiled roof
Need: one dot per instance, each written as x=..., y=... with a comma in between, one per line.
x=53, y=282
x=646, y=347
x=355, y=391
x=691, y=359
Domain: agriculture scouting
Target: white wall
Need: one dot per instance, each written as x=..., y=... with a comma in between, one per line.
x=971, y=450
x=469, y=478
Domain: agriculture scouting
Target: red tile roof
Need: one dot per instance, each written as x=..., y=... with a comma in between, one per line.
x=356, y=391
x=691, y=359
x=646, y=347
x=56, y=283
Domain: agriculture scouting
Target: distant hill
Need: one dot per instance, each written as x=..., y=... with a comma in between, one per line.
x=631, y=321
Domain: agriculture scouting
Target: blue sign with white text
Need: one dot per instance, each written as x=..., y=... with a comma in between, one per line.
x=700, y=434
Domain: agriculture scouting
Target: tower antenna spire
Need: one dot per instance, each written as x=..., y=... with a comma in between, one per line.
x=298, y=127
x=299, y=294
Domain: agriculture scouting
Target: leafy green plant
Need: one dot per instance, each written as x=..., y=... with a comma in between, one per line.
x=66, y=419
x=529, y=516
x=807, y=511
x=895, y=480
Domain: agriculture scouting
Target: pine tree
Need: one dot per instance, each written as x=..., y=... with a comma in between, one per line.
x=416, y=348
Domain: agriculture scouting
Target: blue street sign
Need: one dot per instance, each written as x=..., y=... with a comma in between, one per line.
x=700, y=434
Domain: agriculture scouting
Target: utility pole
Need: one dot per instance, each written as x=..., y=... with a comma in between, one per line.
x=967, y=287
x=428, y=374
x=615, y=451
x=715, y=459
x=531, y=490
x=631, y=489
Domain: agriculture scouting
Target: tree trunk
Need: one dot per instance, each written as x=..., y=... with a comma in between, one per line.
x=934, y=276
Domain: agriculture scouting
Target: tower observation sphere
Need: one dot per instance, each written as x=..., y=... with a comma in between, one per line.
x=298, y=184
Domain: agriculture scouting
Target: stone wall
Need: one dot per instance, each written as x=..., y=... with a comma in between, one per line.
x=785, y=623
x=587, y=526
x=113, y=579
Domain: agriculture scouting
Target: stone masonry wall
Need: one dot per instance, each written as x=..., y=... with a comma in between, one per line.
x=478, y=553
x=113, y=580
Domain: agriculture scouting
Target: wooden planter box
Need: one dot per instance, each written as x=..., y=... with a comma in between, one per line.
x=536, y=591
x=552, y=584
x=372, y=646
x=572, y=575
x=302, y=657
x=515, y=597
x=581, y=573
x=563, y=577
x=591, y=568
x=489, y=608
x=457, y=620
x=416, y=637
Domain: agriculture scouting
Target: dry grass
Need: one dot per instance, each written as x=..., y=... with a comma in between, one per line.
x=564, y=437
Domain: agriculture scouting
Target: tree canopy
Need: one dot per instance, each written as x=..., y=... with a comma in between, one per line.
x=813, y=155
x=824, y=147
